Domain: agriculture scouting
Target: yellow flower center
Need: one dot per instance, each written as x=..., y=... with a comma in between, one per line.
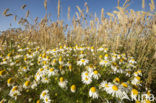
x=95, y=72
x=41, y=69
x=25, y=68
x=106, y=55
x=114, y=87
x=10, y=81
x=51, y=69
x=93, y=89
x=117, y=80
x=38, y=101
x=105, y=61
x=2, y=72
x=82, y=60
x=27, y=83
x=44, y=93
x=14, y=88
x=106, y=85
x=124, y=85
x=73, y=87
x=61, y=79
x=138, y=78
x=86, y=74
x=134, y=91
x=86, y=78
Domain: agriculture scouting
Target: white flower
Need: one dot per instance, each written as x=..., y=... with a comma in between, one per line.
x=85, y=74
x=132, y=61
x=14, y=92
x=115, y=91
x=136, y=80
x=93, y=93
x=63, y=83
x=104, y=62
x=51, y=72
x=45, y=80
x=73, y=88
x=44, y=94
x=95, y=74
x=26, y=84
x=134, y=94
x=82, y=62
x=90, y=68
x=104, y=85
x=47, y=99
x=34, y=85
x=86, y=80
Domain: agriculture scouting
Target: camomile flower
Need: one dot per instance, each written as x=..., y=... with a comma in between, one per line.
x=44, y=94
x=26, y=84
x=14, y=92
x=106, y=56
x=93, y=93
x=85, y=74
x=139, y=72
x=51, y=72
x=90, y=68
x=115, y=91
x=100, y=49
x=125, y=87
x=3, y=101
x=104, y=62
x=63, y=83
x=83, y=62
x=136, y=80
x=60, y=61
x=114, y=58
x=104, y=85
x=47, y=99
x=73, y=88
x=25, y=69
x=86, y=80
x=134, y=93
x=2, y=73
x=45, y=80
x=116, y=80
x=105, y=50
x=10, y=82
x=34, y=85
x=132, y=61
x=95, y=74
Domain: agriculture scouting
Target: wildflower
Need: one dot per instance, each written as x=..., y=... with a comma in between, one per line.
x=82, y=62
x=63, y=83
x=86, y=80
x=114, y=90
x=136, y=80
x=93, y=93
x=95, y=74
x=10, y=82
x=104, y=85
x=73, y=88
x=104, y=62
x=44, y=94
x=116, y=80
x=134, y=93
x=2, y=73
x=14, y=92
x=26, y=84
x=47, y=99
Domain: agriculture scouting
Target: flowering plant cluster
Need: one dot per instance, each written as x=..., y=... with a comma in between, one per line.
x=78, y=74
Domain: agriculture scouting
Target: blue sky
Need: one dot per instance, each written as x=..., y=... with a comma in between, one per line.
x=36, y=8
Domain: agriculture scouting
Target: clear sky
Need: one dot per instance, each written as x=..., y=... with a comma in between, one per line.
x=36, y=8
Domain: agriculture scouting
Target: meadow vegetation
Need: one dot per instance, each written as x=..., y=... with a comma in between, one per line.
x=106, y=59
